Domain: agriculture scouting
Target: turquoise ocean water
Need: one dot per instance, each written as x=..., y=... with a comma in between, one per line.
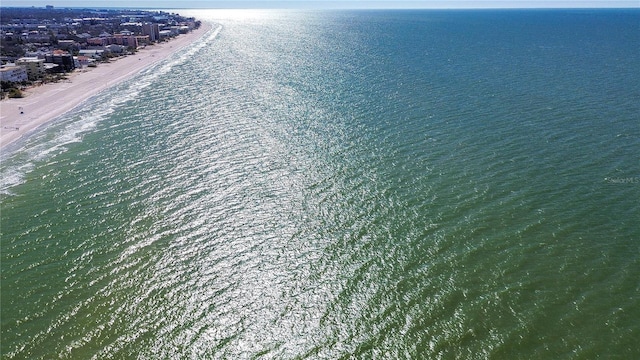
x=333, y=185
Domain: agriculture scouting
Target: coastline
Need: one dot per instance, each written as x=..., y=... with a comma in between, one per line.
x=44, y=103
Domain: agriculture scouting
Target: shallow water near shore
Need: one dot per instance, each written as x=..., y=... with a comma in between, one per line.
x=366, y=184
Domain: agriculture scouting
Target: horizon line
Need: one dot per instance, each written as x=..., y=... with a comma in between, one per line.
x=336, y=8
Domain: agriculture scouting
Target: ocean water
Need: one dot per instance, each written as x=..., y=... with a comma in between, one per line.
x=337, y=185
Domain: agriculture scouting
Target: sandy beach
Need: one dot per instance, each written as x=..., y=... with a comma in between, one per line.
x=41, y=104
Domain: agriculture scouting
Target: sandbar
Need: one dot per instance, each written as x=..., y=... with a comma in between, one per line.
x=19, y=117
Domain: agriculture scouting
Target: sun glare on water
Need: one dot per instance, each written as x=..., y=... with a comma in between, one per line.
x=230, y=14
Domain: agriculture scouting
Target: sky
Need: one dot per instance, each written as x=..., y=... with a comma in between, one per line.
x=252, y=4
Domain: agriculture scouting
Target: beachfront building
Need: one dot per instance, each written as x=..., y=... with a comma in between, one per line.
x=115, y=48
x=35, y=67
x=143, y=40
x=94, y=54
x=61, y=58
x=125, y=40
x=13, y=73
x=83, y=61
x=152, y=30
x=180, y=29
x=166, y=34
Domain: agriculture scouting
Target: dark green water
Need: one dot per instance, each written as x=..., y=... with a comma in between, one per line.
x=391, y=185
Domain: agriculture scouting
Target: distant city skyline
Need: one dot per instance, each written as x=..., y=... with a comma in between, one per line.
x=297, y=4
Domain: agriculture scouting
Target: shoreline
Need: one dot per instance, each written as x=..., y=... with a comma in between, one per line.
x=42, y=104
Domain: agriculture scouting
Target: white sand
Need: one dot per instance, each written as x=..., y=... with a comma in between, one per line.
x=42, y=104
